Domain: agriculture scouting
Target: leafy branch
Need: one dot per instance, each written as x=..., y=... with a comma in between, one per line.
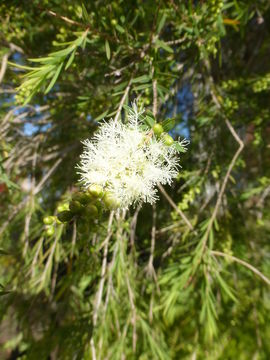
x=50, y=68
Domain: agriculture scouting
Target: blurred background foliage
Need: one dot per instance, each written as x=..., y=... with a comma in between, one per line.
x=185, y=279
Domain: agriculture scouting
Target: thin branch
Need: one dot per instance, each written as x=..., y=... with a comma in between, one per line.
x=74, y=237
x=153, y=241
x=93, y=349
x=177, y=41
x=103, y=270
x=133, y=309
x=110, y=282
x=122, y=100
x=244, y=263
x=133, y=225
x=64, y=18
x=232, y=163
x=172, y=203
x=31, y=203
x=222, y=190
x=46, y=177
x=101, y=284
x=155, y=102
x=3, y=66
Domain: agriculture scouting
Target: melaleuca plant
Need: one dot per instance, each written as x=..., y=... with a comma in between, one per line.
x=115, y=242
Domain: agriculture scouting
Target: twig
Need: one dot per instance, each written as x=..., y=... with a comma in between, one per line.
x=155, y=103
x=122, y=100
x=242, y=262
x=42, y=279
x=31, y=203
x=40, y=243
x=150, y=270
x=223, y=187
x=103, y=270
x=110, y=283
x=168, y=228
x=101, y=284
x=93, y=350
x=3, y=66
x=153, y=240
x=64, y=18
x=133, y=225
x=133, y=309
x=74, y=236
x=232, y=163
x=172, y=203
x=46, y=177
x=177, y=41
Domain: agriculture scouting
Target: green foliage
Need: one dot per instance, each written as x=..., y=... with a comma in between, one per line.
x=187, y=278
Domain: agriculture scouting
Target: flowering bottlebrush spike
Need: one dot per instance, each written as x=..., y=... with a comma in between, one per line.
x=128, y=161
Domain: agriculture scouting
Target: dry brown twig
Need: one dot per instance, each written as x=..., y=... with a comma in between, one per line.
x=231, y=165
x=172, y=203
x=99, y=293
x=123, y=100
x=150, y=267
x=133, y=225
x=3, y=66
x=31, y=204
x=242, y=262
x=133, y=310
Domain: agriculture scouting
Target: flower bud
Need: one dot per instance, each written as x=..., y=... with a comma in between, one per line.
x=48, y=220
x=95, y=190
x=158, y=129
x=91, y=210
x=75, y=206
x=65, y=216
x=168, y=140
x=62, y=207
x=83, y=198
x=50, y=231
x=110, y=201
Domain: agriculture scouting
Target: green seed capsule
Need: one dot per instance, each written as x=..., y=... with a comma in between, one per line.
x=95, y=191
x=65, y=216
x=48, y=220
x=110, y=201
x=91, y=210
x=86, y=198
x=114, y=22
x=50, y=231
x=75, y=206
x=83, y=198
x=62, y=207
x=158, y=129
x=168, y=140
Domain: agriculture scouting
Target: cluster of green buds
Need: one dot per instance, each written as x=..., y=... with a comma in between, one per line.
x=216, y=6
x=50, y=223
x=262, y=84
x=160, y=133
x=23, y=93
x=85, y=206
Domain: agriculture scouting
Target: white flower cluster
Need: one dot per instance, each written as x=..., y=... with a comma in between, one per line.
x=128, y=161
